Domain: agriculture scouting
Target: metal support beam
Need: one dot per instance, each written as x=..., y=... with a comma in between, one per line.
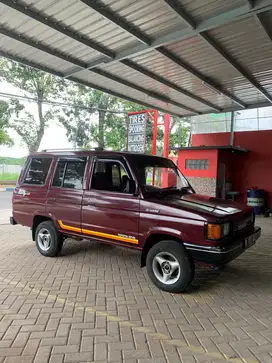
x=250, y=4
x=198, y=75
x=129, y=28
x=87, y=84
x=48, y=50
x=167, y=83
x=266, y=24
x=117, y=20
x=31, y=64
x=168, y=38
x=84, y=83
x=239, y=68
x=51, y=23
x=180, y=34
x=150, y=93
x=44, y=48
x=176, y=6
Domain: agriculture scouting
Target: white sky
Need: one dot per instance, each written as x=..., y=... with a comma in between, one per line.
x=54, y=137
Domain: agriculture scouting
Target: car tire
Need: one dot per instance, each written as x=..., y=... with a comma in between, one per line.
x=169, y=266
x=48, y=240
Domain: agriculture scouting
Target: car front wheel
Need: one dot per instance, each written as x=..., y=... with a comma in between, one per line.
x=169, y=266
x=48, y=240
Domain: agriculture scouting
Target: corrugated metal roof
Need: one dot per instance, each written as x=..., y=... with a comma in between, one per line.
x=181, y=56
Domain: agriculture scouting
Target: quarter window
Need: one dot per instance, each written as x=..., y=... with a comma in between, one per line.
x=70, y=174
x=37, y=171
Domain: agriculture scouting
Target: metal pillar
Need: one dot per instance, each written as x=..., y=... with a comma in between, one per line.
x=232, y=129
x=166, y=148
x=155, y=132
x=166, y=135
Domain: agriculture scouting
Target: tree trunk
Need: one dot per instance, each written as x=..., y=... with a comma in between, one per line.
x=40, y=131
x=101, y=122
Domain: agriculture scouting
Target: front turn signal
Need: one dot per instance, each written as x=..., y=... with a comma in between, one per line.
x=214, y=231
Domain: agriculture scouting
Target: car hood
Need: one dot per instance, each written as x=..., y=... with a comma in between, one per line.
x=203, y=204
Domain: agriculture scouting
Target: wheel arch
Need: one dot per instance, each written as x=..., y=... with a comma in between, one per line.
x=154, y=238
x=37, y=219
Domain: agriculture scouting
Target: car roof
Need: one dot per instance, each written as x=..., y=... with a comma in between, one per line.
x=55, y=152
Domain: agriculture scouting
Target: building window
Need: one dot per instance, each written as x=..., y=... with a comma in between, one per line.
x=37, y=171
x=197, y=164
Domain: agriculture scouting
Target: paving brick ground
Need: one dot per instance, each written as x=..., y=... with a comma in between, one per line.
x=94, y=303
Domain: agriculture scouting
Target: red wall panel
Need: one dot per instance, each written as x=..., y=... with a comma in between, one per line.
x=211, y=155
x=251, y=169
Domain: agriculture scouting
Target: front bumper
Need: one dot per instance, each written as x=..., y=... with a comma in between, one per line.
x=222, y=254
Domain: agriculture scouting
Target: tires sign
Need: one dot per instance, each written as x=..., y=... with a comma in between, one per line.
x=136, y=132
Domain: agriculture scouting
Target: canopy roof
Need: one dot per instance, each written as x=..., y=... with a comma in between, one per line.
x=185, y=57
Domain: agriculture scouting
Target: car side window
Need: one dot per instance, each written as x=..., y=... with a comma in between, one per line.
x=110, y=175
x=70, y=173
x=37, y=171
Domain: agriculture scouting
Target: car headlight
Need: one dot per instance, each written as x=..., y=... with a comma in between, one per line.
x=217, y=231
x=225, y=229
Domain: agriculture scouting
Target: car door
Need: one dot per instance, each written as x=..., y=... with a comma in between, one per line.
x=110, y=208
x=65, y=193
x=29, y=197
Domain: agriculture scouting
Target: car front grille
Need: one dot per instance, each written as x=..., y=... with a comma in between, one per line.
x=246, y=224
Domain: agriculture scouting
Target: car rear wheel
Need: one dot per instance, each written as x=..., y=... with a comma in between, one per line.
x=169, y=266
x=48, y=240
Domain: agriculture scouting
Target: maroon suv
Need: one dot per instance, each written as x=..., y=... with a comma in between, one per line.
x=132, y=200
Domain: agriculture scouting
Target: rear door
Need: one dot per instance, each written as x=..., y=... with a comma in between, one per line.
x=65, y=193
x=29, y=197
x=110, y=211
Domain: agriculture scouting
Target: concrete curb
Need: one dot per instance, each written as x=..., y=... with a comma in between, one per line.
x=8, y=189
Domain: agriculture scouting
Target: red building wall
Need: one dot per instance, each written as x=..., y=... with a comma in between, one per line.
x=251, y=169
x=211, y=155
x=204, y=181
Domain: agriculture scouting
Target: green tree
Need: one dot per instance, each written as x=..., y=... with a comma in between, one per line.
x=5, y=114
x=89, y=121
x=80, y=120
x=179, y=132
x=38, y=85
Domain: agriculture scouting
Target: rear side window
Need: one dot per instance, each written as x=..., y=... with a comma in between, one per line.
x=37, y=171
x=70, y=173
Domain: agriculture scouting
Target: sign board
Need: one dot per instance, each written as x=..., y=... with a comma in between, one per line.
x=136, y=133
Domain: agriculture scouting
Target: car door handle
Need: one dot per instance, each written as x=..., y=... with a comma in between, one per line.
x=52, y=199
x=89, y=201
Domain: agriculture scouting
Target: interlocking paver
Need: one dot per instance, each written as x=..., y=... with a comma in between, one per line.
x=31, y=347
x=94, y=303
x=43, y=355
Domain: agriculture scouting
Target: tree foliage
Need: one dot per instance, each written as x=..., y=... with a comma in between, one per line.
x=110, y=131
x=5, y=114
x=89, y=122
x=39, y=85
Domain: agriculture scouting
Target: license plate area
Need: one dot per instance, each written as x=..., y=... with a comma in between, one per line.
x=251, y=240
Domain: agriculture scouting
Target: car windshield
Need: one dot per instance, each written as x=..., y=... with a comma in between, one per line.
x=159, y=174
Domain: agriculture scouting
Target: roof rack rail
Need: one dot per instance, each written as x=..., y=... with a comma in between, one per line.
x=72, y=149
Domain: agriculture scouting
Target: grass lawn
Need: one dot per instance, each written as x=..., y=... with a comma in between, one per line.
x=8, y=177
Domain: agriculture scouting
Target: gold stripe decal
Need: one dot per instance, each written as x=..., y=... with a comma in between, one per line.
x=98, y=234
x=69, y=228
